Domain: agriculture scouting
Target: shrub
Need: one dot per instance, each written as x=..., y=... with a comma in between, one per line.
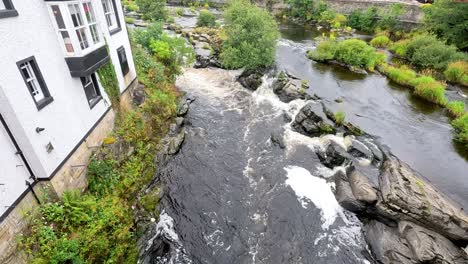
x=129, y=20
x=364, y=20
x=389, y=18
x=400, y=47
x=456, y=108
x=380, y=41
x=206, y=19
x=102, y=176
x=339, y=117
x=456, y=70
x=426, y=51
x=144, y=36
x=461, y=128
x=154, y=10
x=306, y=10
x=251, y=37
x=357, y=53
x=421, y=80
x=324, y=51
x=433, y=92
x=402, y=75
x=132, y=7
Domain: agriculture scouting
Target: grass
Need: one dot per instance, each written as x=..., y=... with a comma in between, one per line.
x=380, y=41
x=129, y=20
x=456, y=108
x=402, y=75
x=461, y=129
x=339, y=117
x=457, y=72
x=433, y=92
x=400, y=47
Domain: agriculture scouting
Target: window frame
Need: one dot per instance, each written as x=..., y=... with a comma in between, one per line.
x=9, y=10
x=95, y=100
x=86, y=25
x=40, y=80
x=113, y=6
x=125, y=70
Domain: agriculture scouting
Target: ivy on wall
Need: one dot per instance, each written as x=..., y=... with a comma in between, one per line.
x=108, y=80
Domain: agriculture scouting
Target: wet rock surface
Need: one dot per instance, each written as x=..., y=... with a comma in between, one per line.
x=289, y=88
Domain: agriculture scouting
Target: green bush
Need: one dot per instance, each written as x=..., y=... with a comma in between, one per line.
x=132, y=7
x=153, y=10
x=324, y=51
x=421, y=80
x=129, y=20
x=331, y=18
x=456, y=70
x=339, y=117
x=206, y=19
x=456, y=108
x=433, y=92
x=461, y=128
x=363, y=20
x=357, y=53
x=400, y=47
x=102, y=176
x=251, y=35
x=402, y=75
x=426, y=51
x=380, y=41
x=144, y=36
x=306, y=10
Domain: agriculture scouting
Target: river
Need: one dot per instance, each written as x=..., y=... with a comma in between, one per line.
x=232, y=196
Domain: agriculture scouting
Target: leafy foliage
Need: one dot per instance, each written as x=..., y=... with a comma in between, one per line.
x=324, y=51
x=206, y=19
x=153, y=10
x=108, y=79
x=251, y=37
x=448, y=20
x=363, y=20
x=306, y=10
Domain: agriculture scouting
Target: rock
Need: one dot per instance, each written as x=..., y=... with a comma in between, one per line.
x=277, y=139
x=175, y=143
x=138, y=95
x=311, y=120
x=344, y=194
x=334, y=156
x=386, y=244
x=430, y=247
x=406, y=196
x=288, y=88
x=250, y=80
x=376, y=151
x=183, y=107
x=338, y=100
x=362, y=187
x=360, y=150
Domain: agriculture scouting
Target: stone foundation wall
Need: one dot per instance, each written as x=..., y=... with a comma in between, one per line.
x=72, y=175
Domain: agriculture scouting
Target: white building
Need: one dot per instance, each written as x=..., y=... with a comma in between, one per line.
x=51, y=100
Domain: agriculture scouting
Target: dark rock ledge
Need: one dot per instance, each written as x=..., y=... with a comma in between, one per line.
x=407, y=220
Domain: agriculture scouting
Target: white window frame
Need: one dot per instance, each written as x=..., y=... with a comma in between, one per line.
x=33, y=82
x=2, y=5
x=109, y=14
x=86, y=27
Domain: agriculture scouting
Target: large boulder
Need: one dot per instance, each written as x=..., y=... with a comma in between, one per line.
x=386, y=244
x=311, y=120
x=250, y=80
x=405, y=195
x=289, y=88
x=362, y=188
x=344, y=194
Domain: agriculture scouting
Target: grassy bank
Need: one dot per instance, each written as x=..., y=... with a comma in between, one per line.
x=98, y=226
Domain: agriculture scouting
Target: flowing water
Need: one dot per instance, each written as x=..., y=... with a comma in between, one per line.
x=233, y=196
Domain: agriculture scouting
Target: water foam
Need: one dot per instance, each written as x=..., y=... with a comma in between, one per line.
x=310, y=188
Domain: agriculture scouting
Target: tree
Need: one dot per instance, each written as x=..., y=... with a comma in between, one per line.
x=306, y=9
x=154, y=10
x=448, y=20
x=251, y=35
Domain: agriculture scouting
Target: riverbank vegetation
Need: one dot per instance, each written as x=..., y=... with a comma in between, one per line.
x=353, y=52
x=251, y=35
x=206, y=19
x=98, y=226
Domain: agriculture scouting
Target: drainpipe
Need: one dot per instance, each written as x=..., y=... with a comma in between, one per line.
x=23, y=158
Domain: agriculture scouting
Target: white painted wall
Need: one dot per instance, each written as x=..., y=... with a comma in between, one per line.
x=68, y=118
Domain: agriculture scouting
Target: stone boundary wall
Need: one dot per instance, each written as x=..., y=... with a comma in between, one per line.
x=72, y=175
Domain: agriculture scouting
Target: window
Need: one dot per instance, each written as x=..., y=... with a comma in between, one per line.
x=7, y=9
x=34, y=81
x=77, y=26
x=111, y=15
x=91, y=89
x=123, y=60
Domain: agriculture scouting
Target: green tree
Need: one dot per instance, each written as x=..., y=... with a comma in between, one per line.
x=364, y=20
x=154, y=10
x=448, y=20
x=306, y=9
x=251, y=35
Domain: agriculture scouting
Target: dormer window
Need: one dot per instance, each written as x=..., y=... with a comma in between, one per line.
x=77, y=27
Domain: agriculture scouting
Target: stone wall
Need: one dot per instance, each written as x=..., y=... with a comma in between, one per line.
x=71, y=175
